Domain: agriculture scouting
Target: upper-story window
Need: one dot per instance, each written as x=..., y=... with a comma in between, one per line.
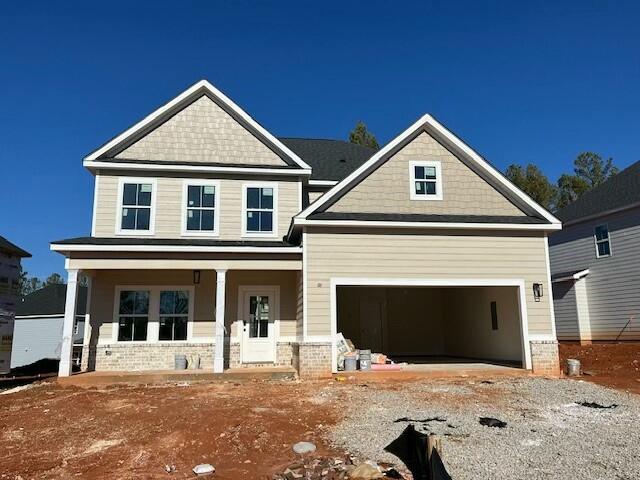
x=260, y=216
x=136, y=206
x=603, y=243
x=425, y=180
x=201, y=208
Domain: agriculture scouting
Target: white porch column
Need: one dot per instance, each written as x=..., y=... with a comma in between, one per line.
x=66, y=350
x=84, y=358
x=218, y=356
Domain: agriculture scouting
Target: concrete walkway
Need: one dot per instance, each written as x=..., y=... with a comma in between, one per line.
x=441, y=370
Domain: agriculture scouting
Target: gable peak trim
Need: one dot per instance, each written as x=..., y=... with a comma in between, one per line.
x=205, y=87
x=424, y=121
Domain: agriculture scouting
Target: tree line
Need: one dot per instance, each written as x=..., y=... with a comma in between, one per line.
x=29, y=284
x=589, y=171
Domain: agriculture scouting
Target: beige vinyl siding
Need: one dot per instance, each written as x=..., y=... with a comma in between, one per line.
x=313, y=196
x=427, y=255
x=169, y=206
x=613, y=283
x=564, y=300
x=103, y=297
x=104, y=285
x=387, y=189
x=202, y=132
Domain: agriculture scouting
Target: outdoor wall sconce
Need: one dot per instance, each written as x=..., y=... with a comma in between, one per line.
x=196, y=277
x=537, y=291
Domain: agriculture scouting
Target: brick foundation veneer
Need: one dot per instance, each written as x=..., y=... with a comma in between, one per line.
x=314, y=360
x=544, y=358
x=151, y=356
x=132, y=357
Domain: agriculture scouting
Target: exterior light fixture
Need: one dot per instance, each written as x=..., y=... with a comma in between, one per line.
x=196, y=277
x=537, y=291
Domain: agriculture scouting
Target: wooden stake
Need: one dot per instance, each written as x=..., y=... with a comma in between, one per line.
x=433, y=443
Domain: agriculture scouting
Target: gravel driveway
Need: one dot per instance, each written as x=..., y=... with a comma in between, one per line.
x=548, y=434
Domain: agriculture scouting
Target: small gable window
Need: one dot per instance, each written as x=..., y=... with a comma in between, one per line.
x=425, y=180
x=603, y=243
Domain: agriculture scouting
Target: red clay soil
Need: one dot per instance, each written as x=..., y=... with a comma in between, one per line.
x=245, y=430
x=615, y=365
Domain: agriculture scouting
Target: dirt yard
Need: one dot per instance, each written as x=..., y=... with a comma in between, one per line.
x=615, y=365
x=246, y=430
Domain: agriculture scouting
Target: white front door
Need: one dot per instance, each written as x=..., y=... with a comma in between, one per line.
x=259, y=326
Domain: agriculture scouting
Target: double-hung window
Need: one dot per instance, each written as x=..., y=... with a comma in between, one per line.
x=425, y=180
x=201, y=208
x=174, y=315
x=136, y=206
x=260, y=214
x=603, y=243
x=133, y=315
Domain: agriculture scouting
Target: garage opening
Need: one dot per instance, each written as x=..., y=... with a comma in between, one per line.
x=420, y=325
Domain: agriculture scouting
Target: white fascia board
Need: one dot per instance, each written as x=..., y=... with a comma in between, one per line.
x=575, y=276
x=170, y=248
x=97, y=164
x=422, y=121
x=323, y=183
x=189, y=91
x=434, y=225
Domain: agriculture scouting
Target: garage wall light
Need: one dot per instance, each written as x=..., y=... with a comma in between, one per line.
x=537, y=291
x=196, y=277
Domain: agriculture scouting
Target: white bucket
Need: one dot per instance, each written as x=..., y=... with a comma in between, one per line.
x=573, y=367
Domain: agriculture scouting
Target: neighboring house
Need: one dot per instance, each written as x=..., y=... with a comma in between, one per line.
x=203, y=243
x=595, y=262
x=37, y=333
x=10, y=257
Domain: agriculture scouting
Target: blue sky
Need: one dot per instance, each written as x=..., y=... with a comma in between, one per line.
x=520, y=81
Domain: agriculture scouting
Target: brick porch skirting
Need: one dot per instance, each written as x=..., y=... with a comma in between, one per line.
x=136, y=357
x=314, y=359
x=545, y=359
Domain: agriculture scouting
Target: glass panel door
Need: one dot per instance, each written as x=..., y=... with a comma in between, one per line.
x=258, y=316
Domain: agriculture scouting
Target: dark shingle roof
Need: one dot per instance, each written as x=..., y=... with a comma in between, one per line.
x=329, y=159
x=411, y=217
x=619, y=191
x=196, y=242
x=8, y=247
x=50, y=300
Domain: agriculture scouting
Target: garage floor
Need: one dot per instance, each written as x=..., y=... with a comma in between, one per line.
x=434, y=325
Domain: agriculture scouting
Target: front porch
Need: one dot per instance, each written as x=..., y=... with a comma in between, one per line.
x=139, y=319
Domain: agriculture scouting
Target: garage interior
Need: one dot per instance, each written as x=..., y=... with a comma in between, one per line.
x=428, y=325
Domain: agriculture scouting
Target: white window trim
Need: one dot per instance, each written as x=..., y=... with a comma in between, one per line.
x=412, y=179
x=153, y=326
x=216, y=212
x=119, y=206
x=274, y=232
x=595, y=240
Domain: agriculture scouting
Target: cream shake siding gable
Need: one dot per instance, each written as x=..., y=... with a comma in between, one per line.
x=202, y=132
x=169, y=207
x=387, y=189
x=421, y=255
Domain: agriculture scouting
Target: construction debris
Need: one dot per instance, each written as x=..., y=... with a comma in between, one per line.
x=597, y=405
x=426, y=420
x=336, y=468
x=420, y=453
x=204, y=469
x=492, y=422
x=303, y=448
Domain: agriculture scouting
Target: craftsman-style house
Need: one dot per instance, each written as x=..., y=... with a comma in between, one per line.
x=213, y=238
